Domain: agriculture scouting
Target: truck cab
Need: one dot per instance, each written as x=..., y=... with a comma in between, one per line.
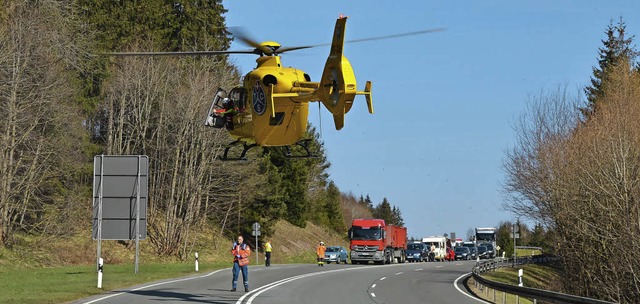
x=374, y=240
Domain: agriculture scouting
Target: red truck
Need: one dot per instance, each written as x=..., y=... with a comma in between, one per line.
x=373, y=240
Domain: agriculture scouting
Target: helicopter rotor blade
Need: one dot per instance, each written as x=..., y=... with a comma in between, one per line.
x=287, y=49
x=241, y=34
x=195, y=53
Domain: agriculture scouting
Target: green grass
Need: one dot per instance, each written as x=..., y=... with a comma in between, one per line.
x=63, y=284
x=534, y=276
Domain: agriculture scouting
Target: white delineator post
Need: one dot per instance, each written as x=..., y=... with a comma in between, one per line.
x=196, y=262
x=520, y=277
x=100, y=266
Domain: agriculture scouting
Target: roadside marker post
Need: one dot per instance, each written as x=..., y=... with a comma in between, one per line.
x=196, y=262
x=100, y=267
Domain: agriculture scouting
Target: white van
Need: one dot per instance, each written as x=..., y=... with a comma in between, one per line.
x=439, y=245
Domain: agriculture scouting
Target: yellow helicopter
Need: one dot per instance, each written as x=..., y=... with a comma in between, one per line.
x=271, y=108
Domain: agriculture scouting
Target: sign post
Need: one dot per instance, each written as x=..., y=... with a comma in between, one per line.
x=256, y=233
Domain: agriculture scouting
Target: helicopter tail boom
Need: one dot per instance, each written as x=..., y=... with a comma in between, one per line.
x=337, y=88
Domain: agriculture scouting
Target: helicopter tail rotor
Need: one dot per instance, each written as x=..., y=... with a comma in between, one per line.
x=338, y=84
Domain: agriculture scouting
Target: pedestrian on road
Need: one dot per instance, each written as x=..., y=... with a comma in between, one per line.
x=320, y=253
x=267, y=253
x=240, y=252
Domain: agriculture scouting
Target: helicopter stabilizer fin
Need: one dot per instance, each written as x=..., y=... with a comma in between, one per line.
x=367, y=95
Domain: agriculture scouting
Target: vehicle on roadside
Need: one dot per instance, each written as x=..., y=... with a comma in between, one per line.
x=417, y=252
x=439, y=247
x=482, y=252
x=462, y=253
x=374, y=240
x=473, y=252
x=337, y=254
x=491, y=251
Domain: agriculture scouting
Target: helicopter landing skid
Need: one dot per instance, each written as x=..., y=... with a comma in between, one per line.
x=243, y=155
x=304, y=144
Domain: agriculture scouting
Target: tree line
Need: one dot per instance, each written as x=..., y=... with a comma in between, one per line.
x=575, y=170
x=62, y=103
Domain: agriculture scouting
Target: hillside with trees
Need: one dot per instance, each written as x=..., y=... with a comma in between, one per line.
x=576, y=170
x=62, y=104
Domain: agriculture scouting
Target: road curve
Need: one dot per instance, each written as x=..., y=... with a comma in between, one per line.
x=310, y=284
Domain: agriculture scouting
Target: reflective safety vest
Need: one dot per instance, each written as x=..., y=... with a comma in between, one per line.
x=243, y=251
x=267, y=247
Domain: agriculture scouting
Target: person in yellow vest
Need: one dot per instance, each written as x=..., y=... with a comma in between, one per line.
x=320, y=253
x=267, y=253
x=240, y=252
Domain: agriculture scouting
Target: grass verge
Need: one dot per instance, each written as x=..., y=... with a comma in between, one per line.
x=64, y=284
x=534, y=276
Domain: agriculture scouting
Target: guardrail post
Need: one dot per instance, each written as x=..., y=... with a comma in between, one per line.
x=504, y=297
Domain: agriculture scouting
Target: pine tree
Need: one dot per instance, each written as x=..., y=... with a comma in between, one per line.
x=616, y=48
x=397, y=217
x=384, y=211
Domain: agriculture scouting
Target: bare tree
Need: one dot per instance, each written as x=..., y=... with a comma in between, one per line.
x=39, y=121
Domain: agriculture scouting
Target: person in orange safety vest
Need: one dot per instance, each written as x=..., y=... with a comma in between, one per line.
x=240, y=252
x=320, y=253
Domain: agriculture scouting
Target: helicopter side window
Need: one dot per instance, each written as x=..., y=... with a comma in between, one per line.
x=277, y=120
x=239, y=97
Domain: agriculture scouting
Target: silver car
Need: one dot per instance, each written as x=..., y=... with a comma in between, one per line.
x=337, y=254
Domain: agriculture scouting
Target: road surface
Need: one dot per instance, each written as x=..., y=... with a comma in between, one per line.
x=435, y=282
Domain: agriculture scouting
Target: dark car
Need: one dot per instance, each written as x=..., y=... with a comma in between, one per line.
x=491, y=252
x=482, y=252
x=473, y=252
x=462, y=253
x=337, y=254
x=417, y=252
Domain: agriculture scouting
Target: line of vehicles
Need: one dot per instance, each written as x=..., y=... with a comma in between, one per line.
x=372, y=240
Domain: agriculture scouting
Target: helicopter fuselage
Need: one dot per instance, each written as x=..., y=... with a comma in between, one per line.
x=275, y=114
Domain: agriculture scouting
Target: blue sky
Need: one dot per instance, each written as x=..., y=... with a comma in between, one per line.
x=445, y=102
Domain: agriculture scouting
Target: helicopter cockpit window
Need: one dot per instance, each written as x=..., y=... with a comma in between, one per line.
x=239, y=97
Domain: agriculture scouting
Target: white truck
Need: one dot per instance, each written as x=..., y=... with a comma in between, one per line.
x=439, y=244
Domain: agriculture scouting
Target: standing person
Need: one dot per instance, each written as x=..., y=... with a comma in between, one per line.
x=267, y=253
x=320, y=253
x=240, y=252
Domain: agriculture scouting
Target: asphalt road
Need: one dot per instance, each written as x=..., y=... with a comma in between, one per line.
x=435, y=282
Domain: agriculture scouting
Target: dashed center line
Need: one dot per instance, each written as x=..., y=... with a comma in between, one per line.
x=417, y=269
x=373, y=294
x=373, y=286
x=382, y=278
x=439, y=266
x=399, y=273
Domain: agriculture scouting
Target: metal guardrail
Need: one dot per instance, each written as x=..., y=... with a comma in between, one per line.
x=526, y=292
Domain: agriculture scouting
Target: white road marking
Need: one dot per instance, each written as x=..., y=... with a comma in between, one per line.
x=455, y=284
x=373, y=286
x=439, y=266
x=153, y=285
x=399, y=273
x=373, y=294
x=382, y=278
x=419, y=269
x=256, y=292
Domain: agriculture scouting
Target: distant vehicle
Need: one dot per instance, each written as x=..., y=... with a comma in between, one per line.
x=439, y=243
x=462, y=253
x=473, y=252
x=482, y=252
x=337, y=254
x=374, y=240
x=491, y=251
x=451, y=255
x=486, y=235
x=417, y=252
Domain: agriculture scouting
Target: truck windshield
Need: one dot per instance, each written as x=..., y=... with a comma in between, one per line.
x=360, y=233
